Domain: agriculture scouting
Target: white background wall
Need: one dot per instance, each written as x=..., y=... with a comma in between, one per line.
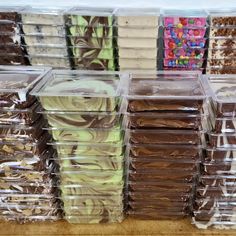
x=178, y=4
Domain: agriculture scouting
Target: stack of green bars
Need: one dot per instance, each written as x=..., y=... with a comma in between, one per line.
x=84, y=113
x=90, y=35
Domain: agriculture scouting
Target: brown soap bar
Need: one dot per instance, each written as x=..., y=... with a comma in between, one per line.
x=11, y=49
x=221, y=62
x=222, y=140
x=214, y=169
x=223, y=32
x=165, y=120
x=221, y=53
x=226, y=42
x=10, y=16
x=221, y=70
x=164, y=137
x=217, y=180
x=223, y=125
x=219, y=192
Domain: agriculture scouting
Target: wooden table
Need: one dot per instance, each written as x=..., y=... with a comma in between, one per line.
x=128, y=227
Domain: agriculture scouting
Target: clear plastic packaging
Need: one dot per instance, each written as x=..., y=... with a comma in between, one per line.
x=89, y=149
x=184, y=42
x=91, y=162
x=224, y=125
x=25, y=116
x=148, y=17
x=134, y=53
x=148, y=43
x=220, y=154
x=139, y=63
x=113, y=135
x=225, y=31
x=165, y=152
x=45, y=16
x=163, y=136
x=217, y=70
x=227, y=140
x=222, y=91
x=93, y=17
x=220, y=62
x=222, y=42
x=16, y=83
x=219, y=168
x=72, y=93
x=44, y=30
x=218, y=181
x=185, y=32
x=222, y=17
x=185, y=63
x=221, y=53
x=53, y=61
x=46, y=40
x=137, y=32
x=167, y=89
x=45, y=50
x=184, y=18
x=225, y=191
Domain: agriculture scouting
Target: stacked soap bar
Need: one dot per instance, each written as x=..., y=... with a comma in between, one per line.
x=137, y=38
x=11, y=51
x=165, y=127
x=91, y=38
x=222, y=40
x=45, y=37
x=184, y=39
x=215, y=204
x=27, y=188
x=83, y=110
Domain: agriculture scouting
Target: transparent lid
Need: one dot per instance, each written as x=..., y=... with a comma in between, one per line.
x=90, y=11
x=11, y=8
x=43, y=10
x=15, y=79
x=164, y=85
x=184, y=13
x=81, y=84
x=222, y=12
x=137, y=12
x=222, y=88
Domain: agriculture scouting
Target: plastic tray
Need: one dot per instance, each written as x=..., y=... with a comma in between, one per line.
x=148, y=17
x=184, y=42
x=19, y=116
x=227, y=140
x=46, y=16
x=104, y=96
x=91, y=16
x=184, y=18
x=84, y=119
x=189, y=152
x=145, y=94
x=220, y=154
x=225, y=31
x=137, y=42
x=43, y=30
x=185, y=32
x=89, y=149
x=46, y=40
x=162, y=136
x=221, y=89
x=220, y=62
x=221, y=53
x=218, y=70
x=137, y=32
x=222, y=42
x=113, y=135
x=139, y=63
x=134, y=53
x=16, y=83
x=91, y=162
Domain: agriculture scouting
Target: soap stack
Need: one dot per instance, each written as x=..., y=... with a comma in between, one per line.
x=44, y=36
x=83, y=110
x=27, y=187
x=11, y=51
x=184, y=39
x=90, y=35
x=138, y=31
x=164, y=143
x=222, y=43
x=215, y=204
